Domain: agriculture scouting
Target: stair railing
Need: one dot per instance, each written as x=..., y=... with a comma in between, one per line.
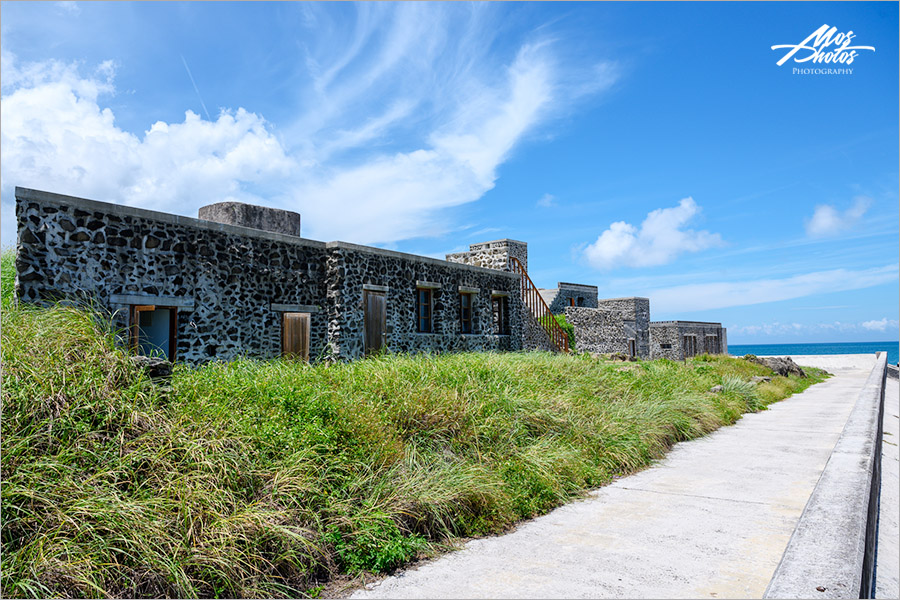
x=532, y=299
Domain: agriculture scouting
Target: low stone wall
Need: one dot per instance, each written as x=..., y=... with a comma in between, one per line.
x=831, y=552
x=600, y=331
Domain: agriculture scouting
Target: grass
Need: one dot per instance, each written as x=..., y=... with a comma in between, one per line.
x=269, y=478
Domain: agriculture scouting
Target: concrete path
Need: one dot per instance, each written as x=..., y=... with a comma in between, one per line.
x=887, y=560
x=711, y=520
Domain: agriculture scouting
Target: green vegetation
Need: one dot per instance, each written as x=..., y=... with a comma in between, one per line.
x=268, y=478
x=568, y=328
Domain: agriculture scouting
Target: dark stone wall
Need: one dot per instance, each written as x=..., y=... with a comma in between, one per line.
x=584, y=296
x=223, y=281
x=351, y=267
x=600, y=331
x=636, y=314
x=672, y=333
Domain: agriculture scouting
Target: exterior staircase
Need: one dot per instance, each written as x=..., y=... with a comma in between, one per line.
x=531, y=297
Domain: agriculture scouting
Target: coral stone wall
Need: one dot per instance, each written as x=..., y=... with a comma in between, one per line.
x=534, y=336
x=636, y=312
x=597, y=330
x=584, y=296
x=351, y=268
x=231, y=284
x=710, y=338
x=665, y=342
x=222, y=279
x=492, y=255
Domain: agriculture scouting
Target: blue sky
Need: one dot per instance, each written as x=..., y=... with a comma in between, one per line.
x=652, y=149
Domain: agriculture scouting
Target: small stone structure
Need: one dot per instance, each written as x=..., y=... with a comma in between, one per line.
x=569, y=294
x=617, y=325
x=492, y=255
x=677, y=340
x=255, y=217
x=199, y=290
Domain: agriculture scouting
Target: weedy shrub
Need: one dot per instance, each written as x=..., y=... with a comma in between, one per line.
x=267, y=478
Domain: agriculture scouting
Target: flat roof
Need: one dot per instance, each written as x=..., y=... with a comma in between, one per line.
x=31, y=195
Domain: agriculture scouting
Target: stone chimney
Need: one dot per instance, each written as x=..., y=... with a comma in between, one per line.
x=255, y=217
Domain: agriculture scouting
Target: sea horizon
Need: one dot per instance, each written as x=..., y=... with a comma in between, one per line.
x=892, y=349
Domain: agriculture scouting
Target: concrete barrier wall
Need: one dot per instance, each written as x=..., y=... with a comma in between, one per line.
x=831, y=552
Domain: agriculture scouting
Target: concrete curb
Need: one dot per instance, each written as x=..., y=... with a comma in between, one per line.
x=831, y=552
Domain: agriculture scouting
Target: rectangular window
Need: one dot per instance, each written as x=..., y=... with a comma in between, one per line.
x=571, y=301
x=423, y=311
x=500, y=306
x=465, y=313
x=666, y=346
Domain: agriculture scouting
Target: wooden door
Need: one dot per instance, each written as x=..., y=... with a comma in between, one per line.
x=295, y=335
x=375, y=305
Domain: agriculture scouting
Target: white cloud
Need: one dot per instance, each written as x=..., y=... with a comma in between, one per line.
x=68, y=8
x=827, y=220
x=659, y=241
x=547, y=201
x=55, y=136
x=880, y=325
x=404, y=114
x=705, y=296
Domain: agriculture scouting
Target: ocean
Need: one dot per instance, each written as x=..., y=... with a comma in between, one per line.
x=833, y=348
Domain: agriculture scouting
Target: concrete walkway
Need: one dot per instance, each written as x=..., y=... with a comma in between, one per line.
x=709, y=521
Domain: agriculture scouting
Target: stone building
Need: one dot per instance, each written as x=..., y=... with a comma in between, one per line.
x=198, y=290
x=677, y=340
x=616, y=325
x=569, y=294
x=240, y=281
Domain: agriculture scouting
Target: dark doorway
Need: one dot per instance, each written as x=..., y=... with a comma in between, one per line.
x=153, y=330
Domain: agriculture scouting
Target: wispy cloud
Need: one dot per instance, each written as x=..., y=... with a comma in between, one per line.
x=705, y=296
x=68, y=8
x=547, y=201
x=660, y=239
x=828, y=221
x=402, y=113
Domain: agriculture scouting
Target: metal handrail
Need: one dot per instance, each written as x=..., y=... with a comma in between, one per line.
x=532, y=299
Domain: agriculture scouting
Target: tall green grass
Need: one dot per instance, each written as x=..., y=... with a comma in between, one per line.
x=262, y=479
